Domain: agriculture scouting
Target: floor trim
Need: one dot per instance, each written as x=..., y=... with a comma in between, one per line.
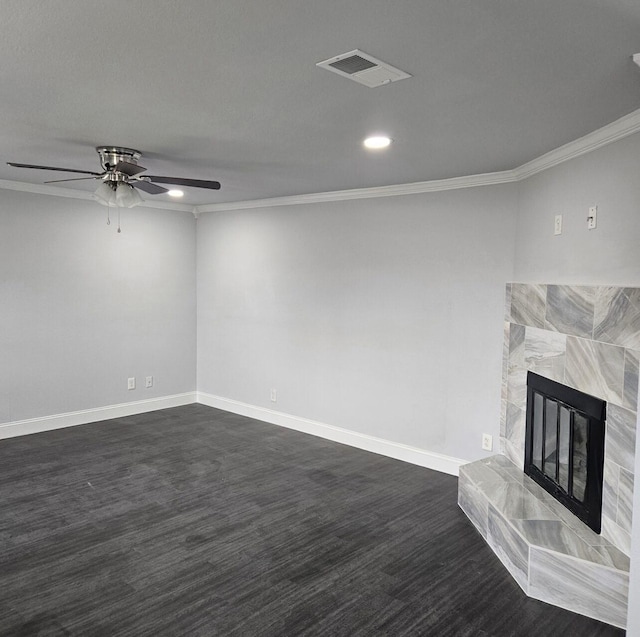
x=85, y=416
x=412, y=455
x=399, y=451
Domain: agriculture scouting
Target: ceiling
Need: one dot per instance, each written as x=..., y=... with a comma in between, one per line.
x=229, y=90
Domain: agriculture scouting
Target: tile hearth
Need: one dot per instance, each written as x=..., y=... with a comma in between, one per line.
x=551, y=554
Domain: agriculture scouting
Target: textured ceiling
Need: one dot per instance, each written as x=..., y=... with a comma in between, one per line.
x=229, y=90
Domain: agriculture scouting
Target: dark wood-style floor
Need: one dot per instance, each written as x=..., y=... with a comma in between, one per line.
x=192, y=521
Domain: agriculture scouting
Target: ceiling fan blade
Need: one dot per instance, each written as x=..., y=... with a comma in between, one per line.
x=64, y=170
x=147, y=186
x=128, y=168
x=57, y=181
x=178, y=181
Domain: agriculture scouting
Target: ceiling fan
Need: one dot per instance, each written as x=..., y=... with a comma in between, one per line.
x=121, y=176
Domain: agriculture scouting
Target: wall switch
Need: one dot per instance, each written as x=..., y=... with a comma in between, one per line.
x=131, y=383
x=274, y=396
x=148, y=381
x=487, y=442
x=592, y=219
x=557, y=228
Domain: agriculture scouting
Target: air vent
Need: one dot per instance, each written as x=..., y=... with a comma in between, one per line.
x=636, y=58
x=363, y=68
x=352, y=64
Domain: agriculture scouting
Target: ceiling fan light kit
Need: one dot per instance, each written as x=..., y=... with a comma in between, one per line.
x=121, y=178
x=105, y=194
x=120, y=195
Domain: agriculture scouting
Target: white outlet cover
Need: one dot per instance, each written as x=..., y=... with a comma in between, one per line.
x=557, y=228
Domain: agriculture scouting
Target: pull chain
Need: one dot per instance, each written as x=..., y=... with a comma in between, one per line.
x=108, y=219
x=119, y=230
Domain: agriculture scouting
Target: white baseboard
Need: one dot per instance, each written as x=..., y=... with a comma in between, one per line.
x=58, y=421
x=413, y=455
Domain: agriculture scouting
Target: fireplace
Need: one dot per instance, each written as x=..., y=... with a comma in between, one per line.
x=587, y=338
x=564, y=445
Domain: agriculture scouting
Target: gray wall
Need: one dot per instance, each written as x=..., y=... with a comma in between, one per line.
x=610, y=254
x=379, y=316
x=83, y=308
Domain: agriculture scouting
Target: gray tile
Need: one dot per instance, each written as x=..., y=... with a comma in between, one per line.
x=517, y=387
x=515, y=455
x=544, y=353
x=510, y=548
x=610, y=490
x=503, y=418
x=620, y=439
x=528, y=304
x=473, y=502
x=595, y=368
x=516, y=346
x=589, y=589
x=505, y=468
x=576, y=526
x=500, y=461
x=514, y=502
x=630, y=388
x=570, y=309
x=616, y=535
x=554, y=536
x=483, y=473
x=613, y=557
x=625, y=500
x=507, y=305
x=617, y=316
x=505, y=360
x=515, y=426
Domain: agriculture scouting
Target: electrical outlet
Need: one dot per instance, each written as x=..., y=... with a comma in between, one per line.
x=274, y=396
x=148, y=382
x=131, y=383
x=592, y=219
x=487, y=442
x=557, y=228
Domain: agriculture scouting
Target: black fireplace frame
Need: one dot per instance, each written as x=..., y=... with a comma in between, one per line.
x=594, y=410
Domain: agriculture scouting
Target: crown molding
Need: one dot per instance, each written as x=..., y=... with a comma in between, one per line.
x=70, y=193
x=455, y=183
x=623, y=127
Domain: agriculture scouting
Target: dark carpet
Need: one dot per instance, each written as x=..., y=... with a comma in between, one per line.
x=193, y=521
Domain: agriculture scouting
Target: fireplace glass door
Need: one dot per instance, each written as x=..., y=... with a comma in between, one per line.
x=564, y=449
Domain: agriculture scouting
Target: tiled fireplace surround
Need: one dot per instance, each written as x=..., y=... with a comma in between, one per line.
x=587, y=337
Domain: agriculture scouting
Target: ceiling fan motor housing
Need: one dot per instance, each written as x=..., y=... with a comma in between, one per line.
x=110, y=156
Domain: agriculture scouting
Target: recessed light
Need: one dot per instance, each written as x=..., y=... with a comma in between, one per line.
x=376, y=142
x=175, y=193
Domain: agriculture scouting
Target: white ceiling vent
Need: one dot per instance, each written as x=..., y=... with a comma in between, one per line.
x=636, y=58
x=363, y=68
